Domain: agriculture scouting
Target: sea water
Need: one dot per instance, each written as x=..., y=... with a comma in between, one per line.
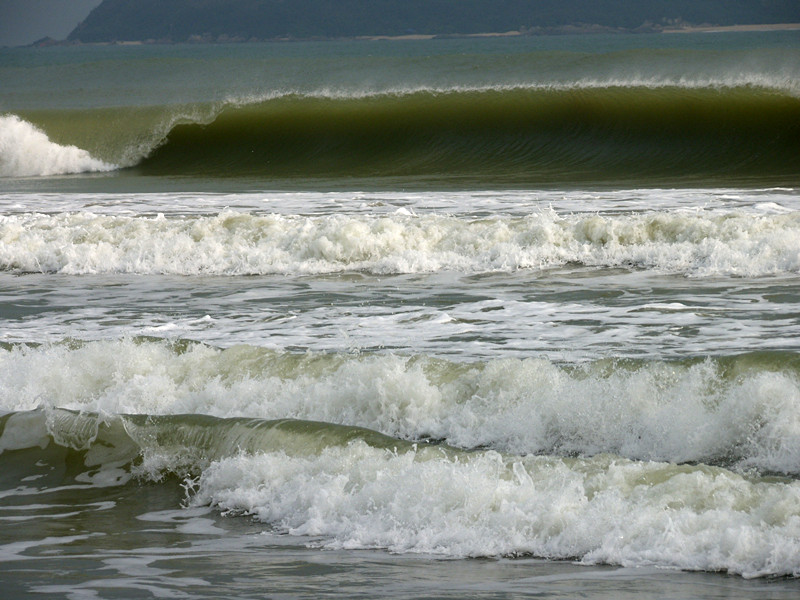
x=441, y=318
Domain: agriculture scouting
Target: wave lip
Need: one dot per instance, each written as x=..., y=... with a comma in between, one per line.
x=26, y=151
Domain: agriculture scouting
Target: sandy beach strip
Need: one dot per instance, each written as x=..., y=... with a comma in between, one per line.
x=733, y=28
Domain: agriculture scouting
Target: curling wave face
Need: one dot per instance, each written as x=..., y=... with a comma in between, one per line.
x=511, y=134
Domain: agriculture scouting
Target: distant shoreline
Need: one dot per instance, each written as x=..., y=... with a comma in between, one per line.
x=594, y=29
x=431, y=36
x=734, y=28
x=587, y=29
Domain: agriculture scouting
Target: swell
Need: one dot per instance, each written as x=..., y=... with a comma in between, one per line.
x=510, y=134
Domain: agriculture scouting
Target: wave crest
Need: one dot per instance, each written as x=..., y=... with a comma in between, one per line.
x=514, y=134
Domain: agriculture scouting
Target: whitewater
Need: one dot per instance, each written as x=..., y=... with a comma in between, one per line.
x=26, y=151
x=438, y=318
x=234, y=243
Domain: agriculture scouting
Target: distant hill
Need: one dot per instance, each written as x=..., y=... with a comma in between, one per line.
x=243, y=20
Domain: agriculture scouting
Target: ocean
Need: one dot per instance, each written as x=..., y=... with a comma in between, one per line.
x=479, y=317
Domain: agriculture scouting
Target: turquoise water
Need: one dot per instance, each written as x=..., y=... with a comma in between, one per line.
x=469, y=317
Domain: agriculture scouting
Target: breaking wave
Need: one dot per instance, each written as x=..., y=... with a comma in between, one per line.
x=740, y=411
x=26, y=151
x=693, y=243
x=529, y=135
x=348, y=487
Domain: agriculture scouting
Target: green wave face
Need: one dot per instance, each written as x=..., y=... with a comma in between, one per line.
x=515, y=135
x=502, y=135
x=156, y=445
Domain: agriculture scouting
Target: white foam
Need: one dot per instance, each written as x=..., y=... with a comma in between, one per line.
x=475, y=203
x=655, y=411
x=26, y=151
x=694, y=243
x=601, y=510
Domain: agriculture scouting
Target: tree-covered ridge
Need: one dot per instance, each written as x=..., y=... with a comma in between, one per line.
x=182, y=20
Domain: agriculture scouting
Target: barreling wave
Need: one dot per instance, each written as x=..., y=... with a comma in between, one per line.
x=509, y=134
x=692, y=243
x=350, y=487
x=737, y=412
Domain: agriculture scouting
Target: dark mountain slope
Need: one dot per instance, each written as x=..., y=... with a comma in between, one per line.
x=181, y=20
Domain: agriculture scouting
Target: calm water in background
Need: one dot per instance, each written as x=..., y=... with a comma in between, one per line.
x=486, y=318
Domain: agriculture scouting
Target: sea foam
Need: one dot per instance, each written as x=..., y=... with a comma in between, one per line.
x=599, y=510
x=235, y=243
x=348, y=488
x=740, y=411
x=26, y=151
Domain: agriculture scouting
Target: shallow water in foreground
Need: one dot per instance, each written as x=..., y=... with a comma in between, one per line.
x=165, y=552
x=135, y=540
